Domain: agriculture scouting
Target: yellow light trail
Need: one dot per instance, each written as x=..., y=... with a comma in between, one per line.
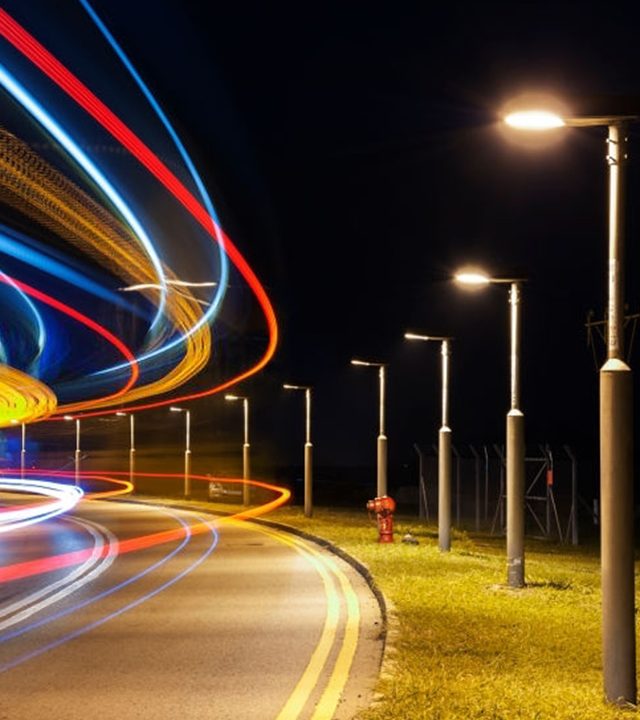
x=35, y=188
x=23, y=399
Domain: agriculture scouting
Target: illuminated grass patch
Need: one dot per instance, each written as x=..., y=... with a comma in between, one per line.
x=465, y=645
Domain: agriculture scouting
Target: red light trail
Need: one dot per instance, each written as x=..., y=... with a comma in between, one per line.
x=87, y=322
x=25, y=43
x=57, y=562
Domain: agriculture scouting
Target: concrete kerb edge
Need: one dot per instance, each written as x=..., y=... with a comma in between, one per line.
x=358, y=566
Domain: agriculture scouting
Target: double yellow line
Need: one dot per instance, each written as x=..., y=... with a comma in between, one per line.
x=341, y=599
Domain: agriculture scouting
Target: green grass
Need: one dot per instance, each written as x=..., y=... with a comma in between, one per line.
x=465, y=646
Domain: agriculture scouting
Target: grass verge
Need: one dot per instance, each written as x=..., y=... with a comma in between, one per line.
x=464, y=645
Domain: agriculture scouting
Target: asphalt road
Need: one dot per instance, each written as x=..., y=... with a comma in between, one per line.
x=226, y=620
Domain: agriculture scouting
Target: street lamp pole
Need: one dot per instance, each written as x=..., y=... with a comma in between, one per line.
x=616, y=458
x=132, y=445
x=382, y=459
x=308, y=450
x=76, y=460
x=132, y=449
x=515, y=454
x=187, y=449
x=516, y=475
x=444, y=446
x=616, y=425
x=246, y=449
x=23, y=449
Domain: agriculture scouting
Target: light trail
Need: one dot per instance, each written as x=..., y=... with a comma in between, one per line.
x=35, y=109
x=69, y=83
x=24, y=248
x=94, y=566
x=56, y=562
x=40, y=329
x=65, y=497
x=215, y=302
x=186, y=536
x=123, y=487
x=23, y=398
x=35, y=187
x=89, y=323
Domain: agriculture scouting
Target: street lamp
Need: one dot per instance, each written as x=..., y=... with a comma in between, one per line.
x=308, y=450
x=23, y=450
x=246, y=463
x=515, y=431
x=382, y=438
x=132, y=444
x=77, y=452
x=187, y=448
x=616, y=429
x=444, y=445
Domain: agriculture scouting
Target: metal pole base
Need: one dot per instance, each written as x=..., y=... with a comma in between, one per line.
x=308, y=480
x=187, y=474
x=246, y=472
x=617, y=536
x=382, y=466
x=515, y=499
x=77, y=467
x=444, y=489
x=132, y=468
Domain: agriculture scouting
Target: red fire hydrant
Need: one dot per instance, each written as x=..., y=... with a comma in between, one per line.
x=383, y=507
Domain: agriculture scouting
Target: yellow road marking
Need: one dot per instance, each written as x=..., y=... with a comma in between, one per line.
x=330, y=698
x=328, y=703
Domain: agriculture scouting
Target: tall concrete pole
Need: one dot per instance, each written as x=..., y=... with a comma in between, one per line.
x=444, y=459
x=382, y=439
x=308, y=449
x=515, y=454
x=132, y=449
x=246, y=459
x=77, y=453
x=187, y=454
x=308, y=457
x=616, y=458
x=23, y=450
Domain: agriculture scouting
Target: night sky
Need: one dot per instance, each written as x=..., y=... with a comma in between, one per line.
x=354, y=155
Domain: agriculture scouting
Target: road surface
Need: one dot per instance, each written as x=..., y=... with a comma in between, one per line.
x=145, y=618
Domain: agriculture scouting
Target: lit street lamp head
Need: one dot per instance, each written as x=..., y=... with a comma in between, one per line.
x=425, y=338
x=477, y=279
x=173, y=408
x=538, y=120
x=232, y=398
x=68, y=417
x=366, y=363
x=473, y=279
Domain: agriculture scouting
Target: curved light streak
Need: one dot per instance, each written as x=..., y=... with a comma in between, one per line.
x=92, y=325
x=110, y=591
x=51, y=563
x=16, y=245
x=34, y=187
x=125, y=608
x=214, y=304
x=25, y=43
x=30, y=104
x=64, y=497
x=123, y=487
x=95, y=565
x=23, y=398
x=42, y=333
